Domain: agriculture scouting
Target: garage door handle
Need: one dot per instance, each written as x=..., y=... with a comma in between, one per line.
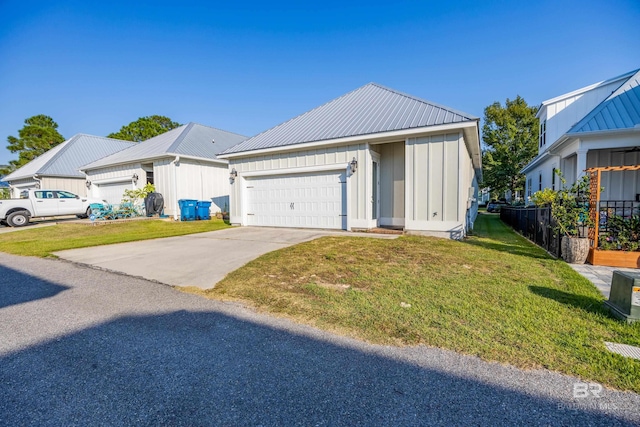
x=292, y=206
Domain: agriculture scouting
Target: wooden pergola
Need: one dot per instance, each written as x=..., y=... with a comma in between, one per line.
x=595, y=175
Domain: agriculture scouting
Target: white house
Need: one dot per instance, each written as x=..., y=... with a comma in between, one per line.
x=181, y=163
x=59, y=167
x=371, y=158
x=598, y=125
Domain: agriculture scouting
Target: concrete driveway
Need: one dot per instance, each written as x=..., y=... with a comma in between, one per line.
x=200, y=260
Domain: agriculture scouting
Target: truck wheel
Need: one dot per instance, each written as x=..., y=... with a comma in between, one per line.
x=86, y=214
x=18, y=219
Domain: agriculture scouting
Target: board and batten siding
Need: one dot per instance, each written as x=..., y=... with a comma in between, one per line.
x=618, y=185
x=191, y=179
x=358, y=210
x=74, y=185
x=437, y=185
x=392, y=171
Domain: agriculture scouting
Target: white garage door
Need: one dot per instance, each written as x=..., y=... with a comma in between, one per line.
x=315, y=200
x=112, y=192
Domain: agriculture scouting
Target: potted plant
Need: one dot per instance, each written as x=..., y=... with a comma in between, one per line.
x=570, y=210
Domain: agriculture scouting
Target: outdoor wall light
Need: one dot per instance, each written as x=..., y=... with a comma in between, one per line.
x=135, y=178
x=354, y=165
x=233, y=174
x=88, y=184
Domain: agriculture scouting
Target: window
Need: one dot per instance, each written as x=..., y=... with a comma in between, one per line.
x=540, y=182
x=543, y=132
x=529, y=188
x=66, y=195
x=44, y=194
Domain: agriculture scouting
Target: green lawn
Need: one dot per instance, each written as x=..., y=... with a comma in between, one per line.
x=494, y=295
x=43, y=241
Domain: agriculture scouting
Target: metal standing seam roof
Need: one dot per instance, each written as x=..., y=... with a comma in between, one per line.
x=369, y=109
x=620, y=110
x=192, y=139
x=66, y=158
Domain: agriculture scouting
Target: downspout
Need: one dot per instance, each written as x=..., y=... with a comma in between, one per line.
x=38, y=181
x=175, y=162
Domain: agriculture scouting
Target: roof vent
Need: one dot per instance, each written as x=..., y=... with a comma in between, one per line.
x=213, y=141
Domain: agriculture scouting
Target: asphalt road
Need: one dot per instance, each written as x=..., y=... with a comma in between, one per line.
x=85, y=347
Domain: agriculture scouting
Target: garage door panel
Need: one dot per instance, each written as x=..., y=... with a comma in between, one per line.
x=304, y=200
x=112, y=192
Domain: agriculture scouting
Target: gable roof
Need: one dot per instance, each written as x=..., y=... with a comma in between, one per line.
x=192, y=140
x=66, y=158
x=369, y=109
x=621, y=110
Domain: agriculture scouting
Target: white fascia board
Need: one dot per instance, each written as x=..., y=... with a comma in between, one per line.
x=588, y=88
x=613, y=132
x=62, y=176
x=19, y=178
x=151, y=159
x=373, y=138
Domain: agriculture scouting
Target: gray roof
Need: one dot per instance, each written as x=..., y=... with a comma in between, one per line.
x=621, y=110
x=66, y=158
x=192, y=140
x=368, y=110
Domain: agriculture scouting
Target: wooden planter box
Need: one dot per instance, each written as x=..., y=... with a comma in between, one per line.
x=614, y=258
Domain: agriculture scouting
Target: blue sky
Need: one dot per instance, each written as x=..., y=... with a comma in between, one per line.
x=96, y=66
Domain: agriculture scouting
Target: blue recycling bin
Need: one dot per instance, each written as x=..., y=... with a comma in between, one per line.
x=187, y=209
x=202, y=210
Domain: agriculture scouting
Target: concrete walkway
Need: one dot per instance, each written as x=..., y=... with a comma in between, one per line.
x=600, y=275
x=200, y=260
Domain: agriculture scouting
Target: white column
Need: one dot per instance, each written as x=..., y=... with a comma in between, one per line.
x=581, y=163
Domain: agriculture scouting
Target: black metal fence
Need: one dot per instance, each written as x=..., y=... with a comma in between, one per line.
x=620, y=208
x=536, y=224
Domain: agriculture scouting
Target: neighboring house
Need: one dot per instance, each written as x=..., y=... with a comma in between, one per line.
x=373, y=157
x=598, y=125
x=181, y=163
x=59, y=167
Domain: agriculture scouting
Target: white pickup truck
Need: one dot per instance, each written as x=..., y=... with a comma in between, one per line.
x=43, y=203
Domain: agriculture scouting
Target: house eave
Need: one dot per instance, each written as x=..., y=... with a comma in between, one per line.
x=380, y=137
x=608, y=132
x=153, y=158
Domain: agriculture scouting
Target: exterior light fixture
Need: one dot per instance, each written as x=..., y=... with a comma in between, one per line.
x=134, y=178
x=88, y=184
x=233, y=174
x=354, y=165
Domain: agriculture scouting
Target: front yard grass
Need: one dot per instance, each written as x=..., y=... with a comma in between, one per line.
x=43, y=241
x=494, y=295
